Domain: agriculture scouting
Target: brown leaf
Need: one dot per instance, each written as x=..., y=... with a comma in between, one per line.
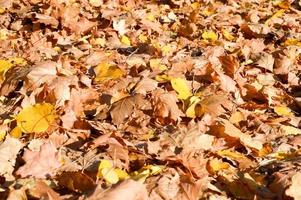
x=266, y=61
x=229, y=64
x=43, y=72
x=76, y=181
x=40, y=164
x=146, y=85
x=214, y=104
x=128, y=189
x=122, y=109
x=166, y=108
x=42, y=191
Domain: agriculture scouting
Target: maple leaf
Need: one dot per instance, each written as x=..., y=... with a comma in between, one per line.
x=9, y=150
x=43, y=72
x=122, y=109
x=40, y=163
x=166, y=107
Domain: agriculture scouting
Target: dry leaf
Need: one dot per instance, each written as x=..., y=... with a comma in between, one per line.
x=128, y=189
x=294, y=188
x=122, y=109
x=36, y=118
x=9, y=150
x=76, y=181
x=181, y=86
x=41, y=163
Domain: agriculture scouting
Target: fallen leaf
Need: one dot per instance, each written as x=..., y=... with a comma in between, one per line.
x=282, y=111
x=209, y=35
x=41, y=163
x=76, y=181
x=244, y=161
x=166, y=108
x=290, y=130
x=43, y=72
x=215, y=165
x=9, y=149
x=294, y=188
x=36, y=118
x=122, y=109
x=181, y=86
x=125, y=40
x=128, y=189
x=106, y=71
x=266, y=61
x=41, y=190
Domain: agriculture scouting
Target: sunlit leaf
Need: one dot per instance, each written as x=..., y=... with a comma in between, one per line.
x=105, y=71
x=36, y=118
x=180, y=85
x=216, y=165
x=282, y=111
x=191, y=110
x=125, y=40
x=16, y=132
x=209, y=35
x=290, y=130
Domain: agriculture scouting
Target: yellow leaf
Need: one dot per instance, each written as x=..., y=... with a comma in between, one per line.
x=282, y=111
x=236, y=117
x=244, y=161
x=283, y=155
x=142, y=38
x=290, y=130
x=100, y=41
x=150, y=17
x=195, y=5
x=209, y=35
x=292, y=41
x=2, y=10
x=95, y=3
x=109, y=175
x=3, y=34
x=166, y=49
x=154, y=169
x=278, y=14
x=105, y=71
x=228, y=35
x=122, y=175
x=105, y=164
x=16, y=132
x=181, y=87
x=155, y=64
x=36, y=118
x=163, y=78
x=146, y=171
x=125, y=40
x=2, y=135
x=5, y=65
x=191, y=110
x=208, y=11
x=216, y=165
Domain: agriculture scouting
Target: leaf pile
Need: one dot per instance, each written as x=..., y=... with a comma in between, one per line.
x=132, y=99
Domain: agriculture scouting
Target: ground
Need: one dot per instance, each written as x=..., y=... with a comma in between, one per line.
x=159, y=100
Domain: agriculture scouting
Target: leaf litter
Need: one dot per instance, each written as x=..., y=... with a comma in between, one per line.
x=150, y=99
